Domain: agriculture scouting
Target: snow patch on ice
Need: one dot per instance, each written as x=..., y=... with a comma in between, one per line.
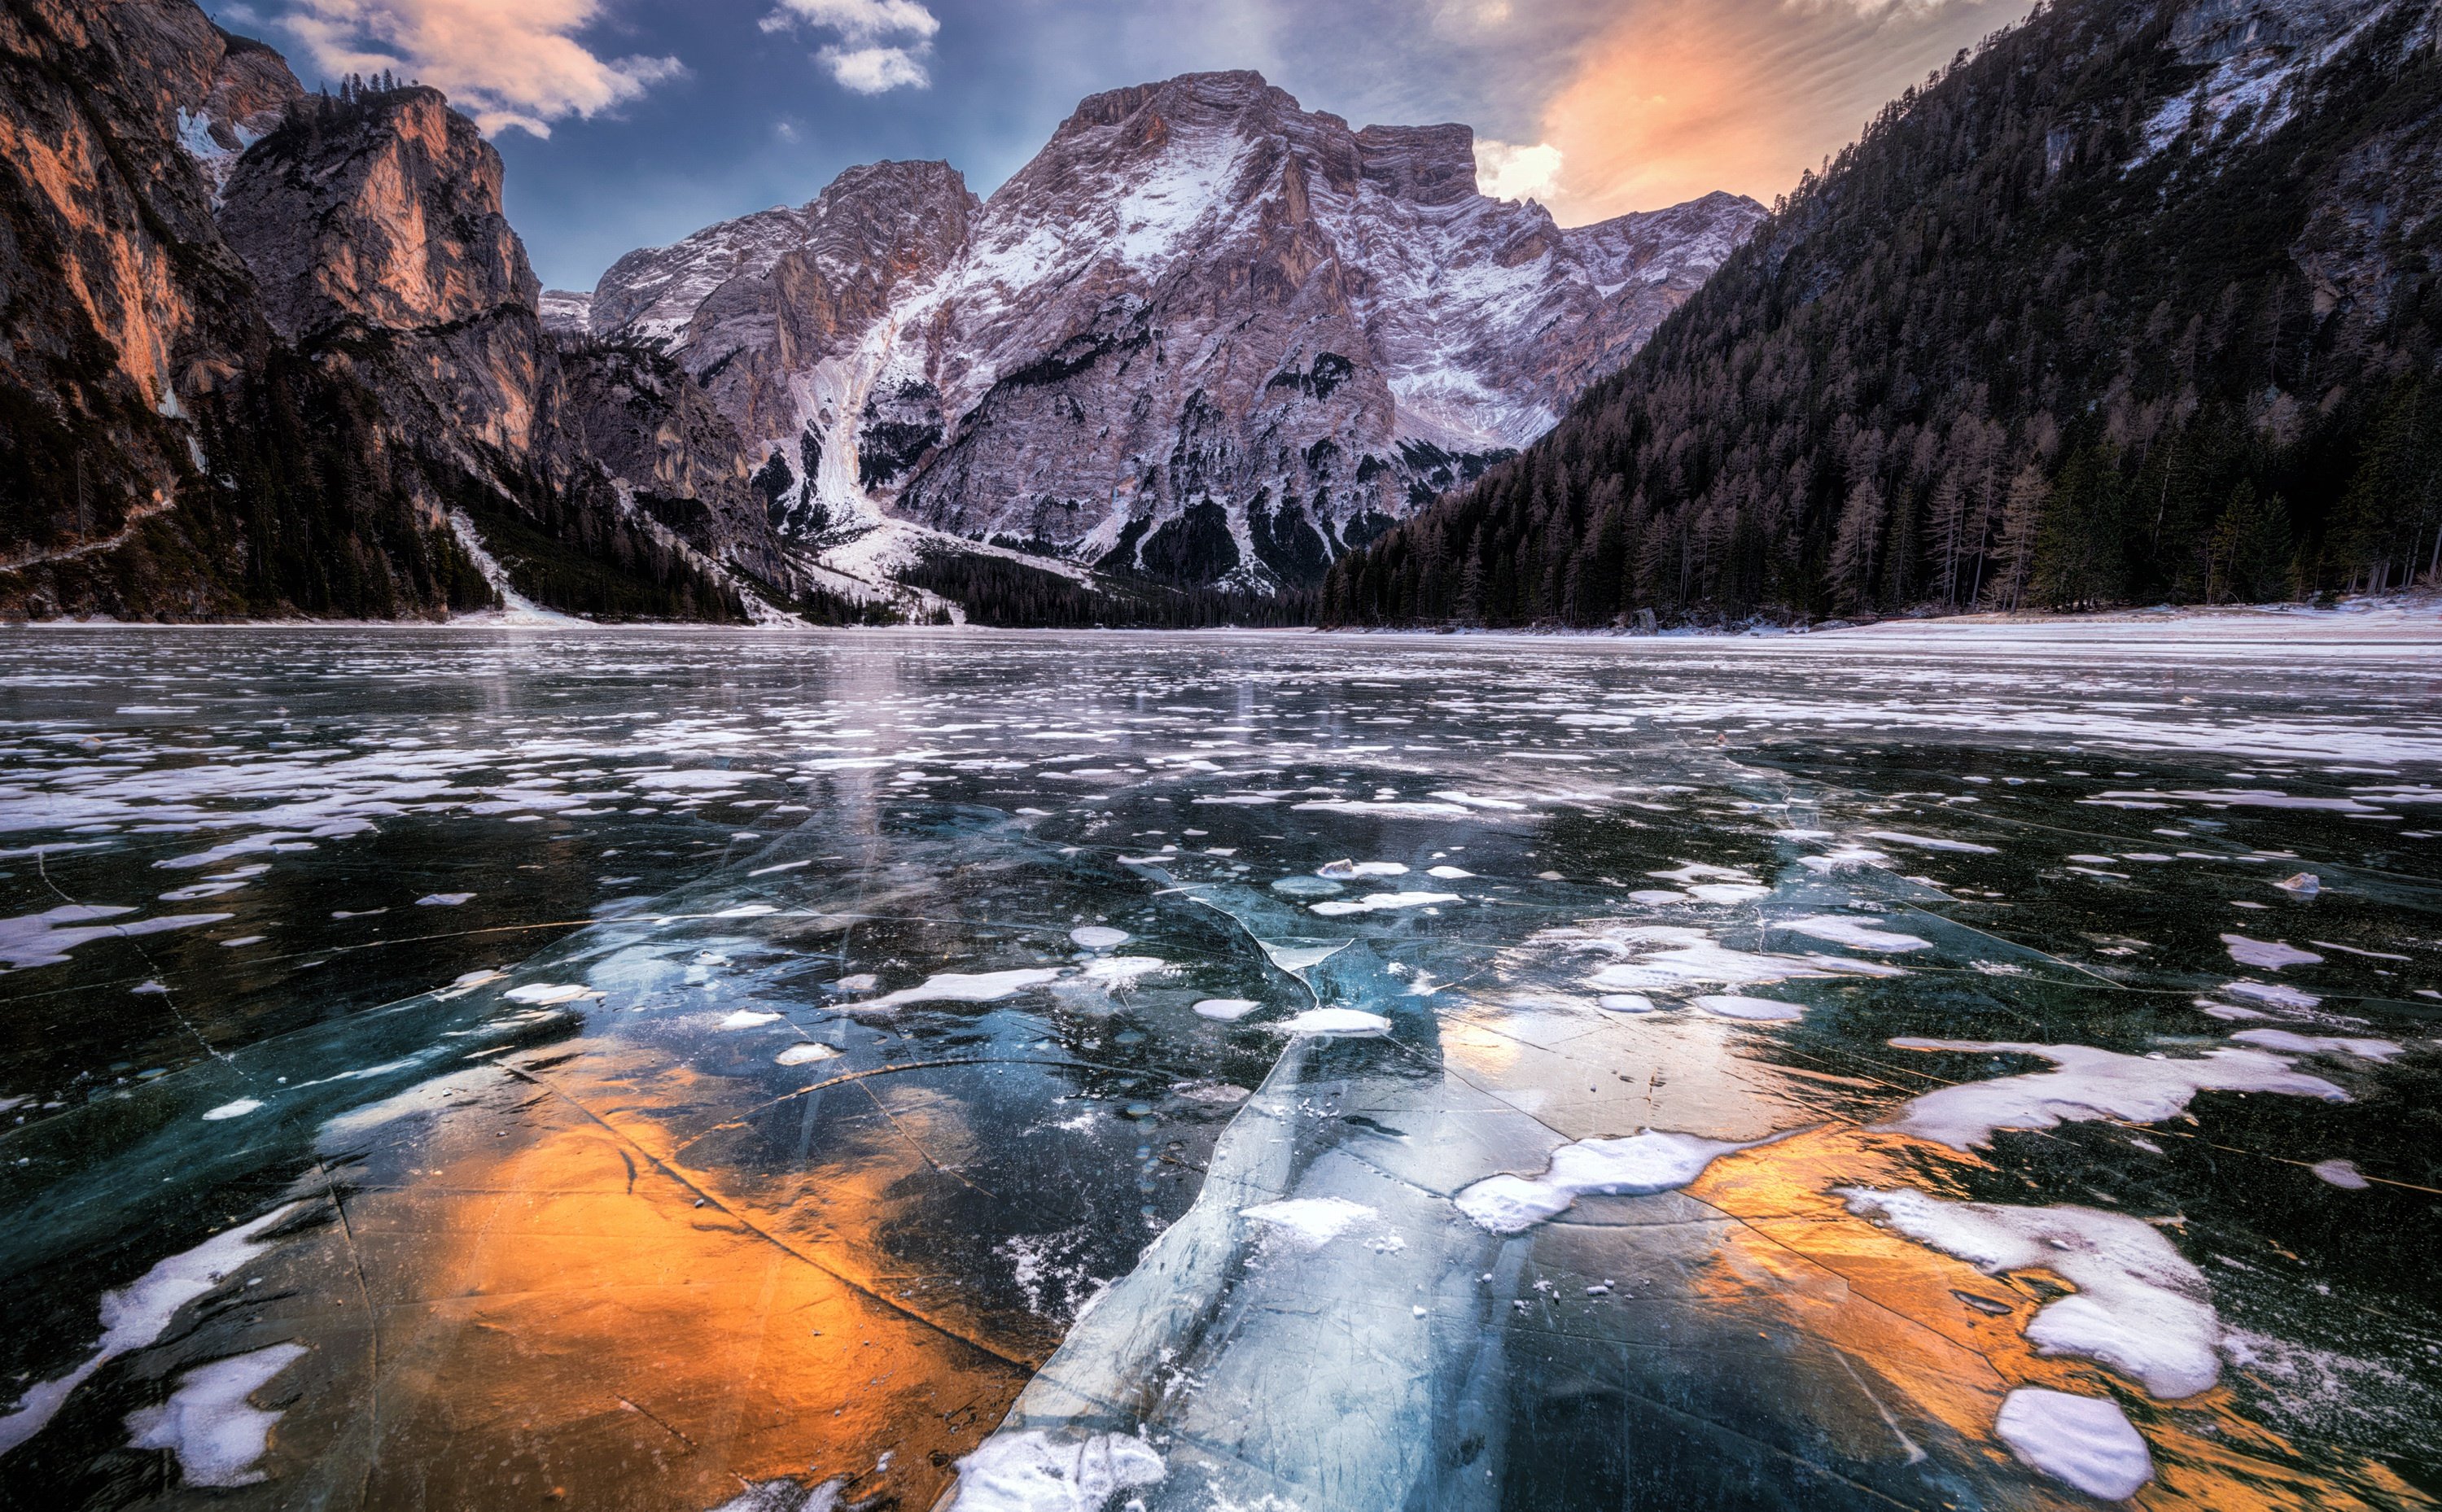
x=1854, y=933
x=961, y=987
x=1312, y=1220
x=1033, y=1472
x=1655, y=1160
x=2088, y=1083
x=208, y=1424
x=2086, y=1441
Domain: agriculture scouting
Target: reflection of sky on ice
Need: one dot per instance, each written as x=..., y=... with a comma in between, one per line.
x=660, y=1069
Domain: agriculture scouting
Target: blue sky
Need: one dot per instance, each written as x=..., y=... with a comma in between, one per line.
x=632, y=122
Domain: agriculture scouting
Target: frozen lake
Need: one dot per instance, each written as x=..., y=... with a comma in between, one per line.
x=666, y=1069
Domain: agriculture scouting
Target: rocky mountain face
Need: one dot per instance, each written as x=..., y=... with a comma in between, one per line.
x=2141, y=302
x=279, y=354
x=1205, y=335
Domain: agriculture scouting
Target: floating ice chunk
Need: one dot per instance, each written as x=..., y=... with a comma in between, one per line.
x=1854, y=933
x=1295, y=958
x=2270, y=954
x=1378, y=902
x=805, y=1052
x=2088, y=1083
x=1901, y=837
x=1123, y=971
x=216, y=1433
x=1698, y=871
x=1756, y=1010
x=2139, y=1306
x=1449, y=873
x=1728, y=892
x=2342, y=1174
x=696, y=781
x=1654, y=1160
x=2272, y=993
x=1844, y=858
x=747, y=1018
x=542, y=995
x=2086, y=1441
x=232, y=1110
x=1344, y=870
x=1314, y=1221
x=2281, y=1039
x=1035, y=1472
x=959, y=987
x=443, y=899
x=1228, y=1010
x=46, y=938
x=1099, y=937
x=140, y=1312
x=1627, y=1002
x=1347, y=1020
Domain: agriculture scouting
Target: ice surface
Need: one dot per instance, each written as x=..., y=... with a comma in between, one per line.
x=2139, y=1306
x=1655, y=1160
x=1314, y=1221
x=1857, y=933
x=1343, y=1021
x=1756, y=1010
x=1378, y=902
x=2086, y=1441
x=216, y=1433
x=1099, y=937
x=2278, y=1039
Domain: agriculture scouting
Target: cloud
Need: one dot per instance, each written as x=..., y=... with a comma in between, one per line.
x=881, y=43
x=1506, y=170
x=505, y=62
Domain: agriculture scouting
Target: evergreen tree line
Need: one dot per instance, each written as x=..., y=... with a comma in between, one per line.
x=2007, y=353
x=997, y=591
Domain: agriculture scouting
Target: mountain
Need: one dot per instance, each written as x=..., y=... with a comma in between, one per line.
x=278, y=353
x=2139, y=301
x=1206, y=337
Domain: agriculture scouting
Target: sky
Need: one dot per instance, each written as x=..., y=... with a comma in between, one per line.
x=629, y=123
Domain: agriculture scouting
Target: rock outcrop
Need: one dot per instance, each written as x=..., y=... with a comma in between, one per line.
x=1204, y=335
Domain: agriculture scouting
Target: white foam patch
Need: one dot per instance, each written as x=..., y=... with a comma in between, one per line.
x=961, y=987
x=208, y=1424
x=1901, y=837
x=1227, y=1010
x=1854, y=933
x=2139, y=1306
x=543, y=995
x=2342, y=1174
x=2272, y=993
x=2270, y=954
x=1375, y=903
x=136, y=1314
x=46, y=938
x=1034, y=1471
x=2282, y=1039
x=1342, y=870
x=1347, y=1020
x=1754, y=1009
x=1655, y=1160
x=2086, y=1441
x=2088, y=1083
x=1312, y=1220
x=1665, y=957
x=1099, y=937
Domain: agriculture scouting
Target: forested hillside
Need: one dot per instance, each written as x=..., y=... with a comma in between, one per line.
x=2138, y=302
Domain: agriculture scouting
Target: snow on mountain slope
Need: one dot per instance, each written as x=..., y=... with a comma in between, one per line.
x=1205, y=335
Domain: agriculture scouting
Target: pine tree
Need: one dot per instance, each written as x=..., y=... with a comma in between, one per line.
x=1853, y=547
x=2014, y=553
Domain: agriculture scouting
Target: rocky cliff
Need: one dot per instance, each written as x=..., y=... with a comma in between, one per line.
x=1205, y=335
x=262, y=346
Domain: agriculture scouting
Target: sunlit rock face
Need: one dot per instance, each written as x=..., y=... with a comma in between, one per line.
x=1204, y=334
x=382, y=219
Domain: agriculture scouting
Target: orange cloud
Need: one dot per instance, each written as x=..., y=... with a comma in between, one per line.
x=1678, y=98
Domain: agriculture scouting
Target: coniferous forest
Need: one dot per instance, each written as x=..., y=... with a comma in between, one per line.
x=2029, y=343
